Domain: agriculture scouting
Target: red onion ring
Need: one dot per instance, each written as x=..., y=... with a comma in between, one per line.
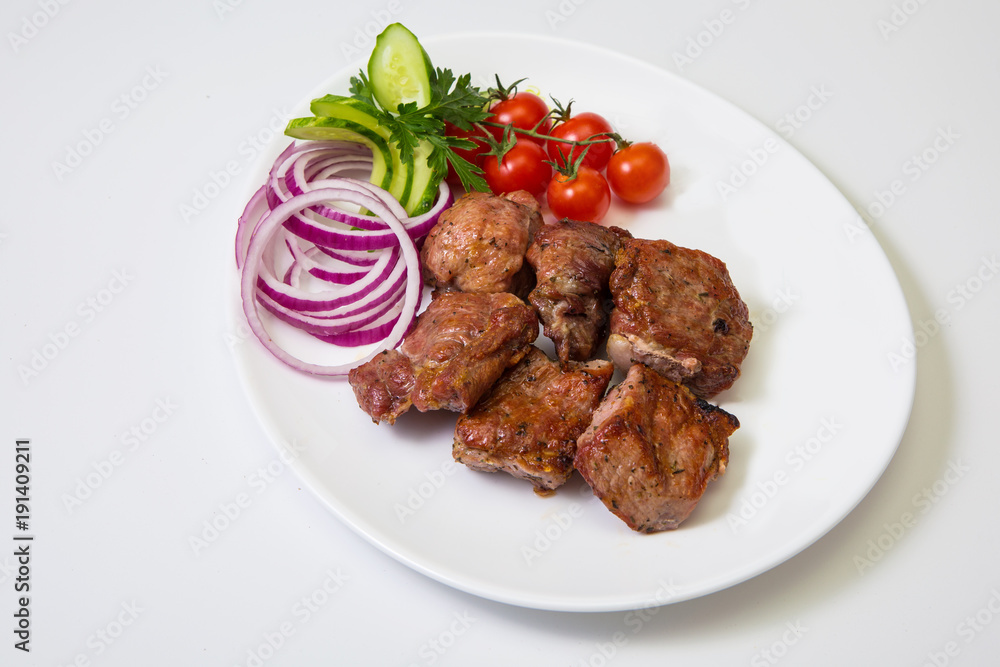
x=303, y=224
x=288, y=178
x=268, y=227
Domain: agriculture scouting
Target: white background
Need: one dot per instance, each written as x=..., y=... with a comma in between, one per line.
x=115, y=579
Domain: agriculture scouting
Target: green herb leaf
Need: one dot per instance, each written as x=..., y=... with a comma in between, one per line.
x=453, y=100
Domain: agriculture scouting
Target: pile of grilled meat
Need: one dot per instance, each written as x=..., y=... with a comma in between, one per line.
x=669, y=318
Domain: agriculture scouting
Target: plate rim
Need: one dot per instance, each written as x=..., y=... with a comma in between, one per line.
x=446, y=574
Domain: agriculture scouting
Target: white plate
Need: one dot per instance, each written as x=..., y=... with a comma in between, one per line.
x=821, y=402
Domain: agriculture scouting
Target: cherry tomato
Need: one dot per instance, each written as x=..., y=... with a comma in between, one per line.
x=585, y=197
x=473, y=155
x=581, y=127
x=523, y=110
x=523, y=167
x=639, y=172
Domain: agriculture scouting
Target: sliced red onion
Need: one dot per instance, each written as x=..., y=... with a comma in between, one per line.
x=253, y=212
x=326, y=326
x=385, y=275
x=353, y=257
x=363, y=336
x=272, y=222
x=294, y=173
x=304, y=224
x=308, y=260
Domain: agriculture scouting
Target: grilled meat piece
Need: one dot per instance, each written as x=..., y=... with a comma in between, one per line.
x=383, y=385
x=572, y=262
x=652, y=448
x=527, y=425
x=677, y=311
x=460, y=346
x=478, y=244
x=464, y=346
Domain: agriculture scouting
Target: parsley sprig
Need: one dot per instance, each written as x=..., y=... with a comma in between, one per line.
x=453, y=100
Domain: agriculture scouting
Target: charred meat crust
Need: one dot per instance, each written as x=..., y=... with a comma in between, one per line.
x=677, y=310
x=573, y=261
x=652, y=449
x=460, y=346
x=478, y=244
x=382, y=386
x=458, y=384
x=528, y=424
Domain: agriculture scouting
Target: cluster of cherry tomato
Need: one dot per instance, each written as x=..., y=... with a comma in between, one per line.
x=575, y=160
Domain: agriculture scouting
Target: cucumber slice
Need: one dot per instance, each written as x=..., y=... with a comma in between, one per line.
x=399, y=69
x=340, y=129
x=340, y=106
x=426, y=181
x=348, y=108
